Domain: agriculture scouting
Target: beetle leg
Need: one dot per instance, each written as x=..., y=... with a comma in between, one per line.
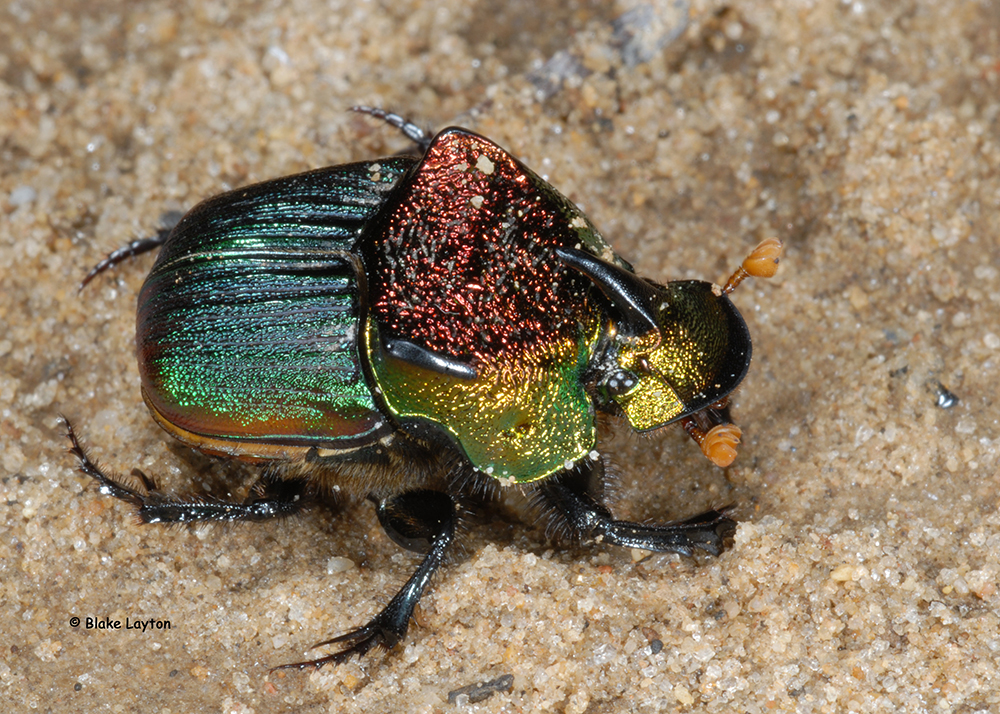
x=569, y=495
x=271, y=496
x=136, y=247
x=413, y=132
x=417, y=520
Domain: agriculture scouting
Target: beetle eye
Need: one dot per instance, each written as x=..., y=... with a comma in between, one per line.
x=620, y=382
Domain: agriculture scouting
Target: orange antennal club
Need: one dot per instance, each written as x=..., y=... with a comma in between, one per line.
x=761, y=263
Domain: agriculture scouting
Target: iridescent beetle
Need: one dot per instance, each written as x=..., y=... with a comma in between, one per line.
x=410, y=329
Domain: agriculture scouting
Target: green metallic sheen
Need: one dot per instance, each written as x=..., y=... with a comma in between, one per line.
x=517, y=422
x=247, y=325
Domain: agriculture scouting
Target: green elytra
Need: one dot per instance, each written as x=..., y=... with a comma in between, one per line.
x=247, y=324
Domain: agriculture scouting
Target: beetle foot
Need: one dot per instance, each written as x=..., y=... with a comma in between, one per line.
x=110, y=484
x=136, y=247
x=421, y=520
x=569, y=497
x=271, y=497
x=361, y=641
x=707, y=531
x=413, y=132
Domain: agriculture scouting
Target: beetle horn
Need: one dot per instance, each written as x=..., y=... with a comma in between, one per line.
x=632, y=298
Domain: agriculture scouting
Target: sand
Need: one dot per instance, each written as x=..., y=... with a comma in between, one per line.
x=864, y=573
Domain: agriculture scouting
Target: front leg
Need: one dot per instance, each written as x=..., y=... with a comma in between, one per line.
x=421, y=521
x=569, y=496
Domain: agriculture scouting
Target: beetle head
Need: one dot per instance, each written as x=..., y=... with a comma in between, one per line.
x=673, y=349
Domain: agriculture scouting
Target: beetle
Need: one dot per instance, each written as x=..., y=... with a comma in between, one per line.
x=413, y=330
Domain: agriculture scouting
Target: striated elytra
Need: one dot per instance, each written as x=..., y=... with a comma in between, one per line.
x=412, y=330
